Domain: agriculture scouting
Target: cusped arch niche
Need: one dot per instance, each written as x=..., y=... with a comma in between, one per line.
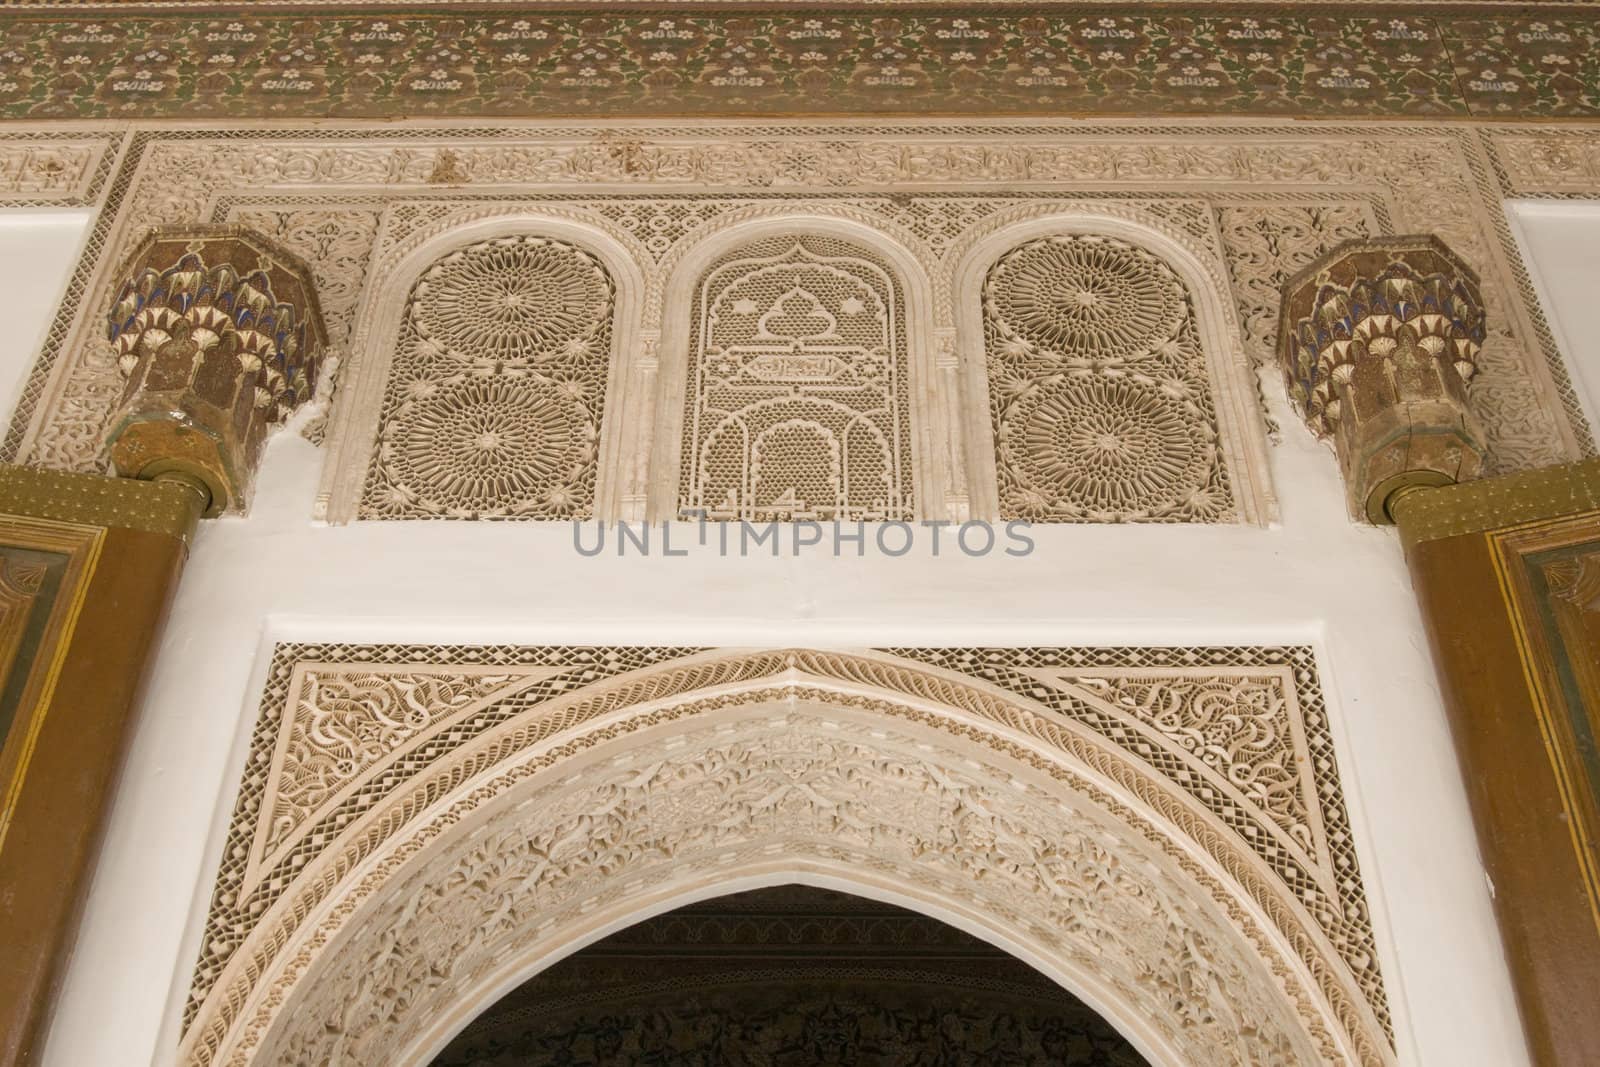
x=1107, y=379
x=482, y=392
x=794, y=351
x=423, y=880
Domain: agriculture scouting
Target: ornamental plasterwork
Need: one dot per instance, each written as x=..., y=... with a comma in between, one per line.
x=420, y=824
x=65, y=171
x=1331, y=179
x=1098, y=391
x=496, y=393
x=798, y=400
x=658, y=237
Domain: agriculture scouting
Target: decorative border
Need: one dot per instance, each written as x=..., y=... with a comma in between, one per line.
x=461, y=698
x=400, y=65
x=1446, y=178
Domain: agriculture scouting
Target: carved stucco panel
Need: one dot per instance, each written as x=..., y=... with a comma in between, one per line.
x=1427, y=175
x=811, y=787
x=1176, y=722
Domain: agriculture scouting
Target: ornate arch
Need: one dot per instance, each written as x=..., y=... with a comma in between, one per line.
x=490, y=813
x=1205, y=400
x=891, y=281
x=569, y=391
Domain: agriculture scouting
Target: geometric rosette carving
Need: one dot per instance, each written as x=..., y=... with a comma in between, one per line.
x=497, y=390
x=1097, y=387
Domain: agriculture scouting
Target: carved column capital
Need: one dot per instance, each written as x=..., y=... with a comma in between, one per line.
x=220, y=335
x=1377, y=340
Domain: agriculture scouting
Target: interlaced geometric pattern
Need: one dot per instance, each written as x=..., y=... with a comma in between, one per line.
x=1097, y=387
x=1242, y=731
x=494, y=401
x=798, y=404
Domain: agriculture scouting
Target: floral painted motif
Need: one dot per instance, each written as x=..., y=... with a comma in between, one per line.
x=773, y=64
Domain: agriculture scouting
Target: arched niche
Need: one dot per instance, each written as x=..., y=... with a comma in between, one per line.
x=696, y=282
x=1239, y=427
x=579, y=815
x=789, y=975
x=367, y=386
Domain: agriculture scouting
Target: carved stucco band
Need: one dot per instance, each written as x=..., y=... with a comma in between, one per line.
x=421, y=825
x=1255, y=203
x=1378, y=341
x=934, y=257
x=220, y=336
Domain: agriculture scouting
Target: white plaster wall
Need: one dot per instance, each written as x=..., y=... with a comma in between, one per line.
x=37, y=252
x=275, y=576
x=1560, y=242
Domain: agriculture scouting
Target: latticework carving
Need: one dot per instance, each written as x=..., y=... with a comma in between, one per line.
x=798, y=398
x=1230, y=745
x=1267, y=244
x=1097, y=387
x=497, y=390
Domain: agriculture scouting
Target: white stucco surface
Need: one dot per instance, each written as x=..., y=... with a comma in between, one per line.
x=1560, y=241
x=37, y=251
x=1317, y=578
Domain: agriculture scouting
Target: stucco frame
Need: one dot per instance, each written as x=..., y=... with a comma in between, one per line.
x=168, y=176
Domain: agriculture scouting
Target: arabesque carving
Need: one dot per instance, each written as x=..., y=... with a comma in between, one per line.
x=565, y=786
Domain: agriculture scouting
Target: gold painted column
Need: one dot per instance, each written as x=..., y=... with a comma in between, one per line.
x=87, y=567
x=221, y=338
x=1507, y=572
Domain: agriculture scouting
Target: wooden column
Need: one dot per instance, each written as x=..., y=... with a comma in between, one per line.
x=1507, y=571
x=220, y=335
x=87, y=567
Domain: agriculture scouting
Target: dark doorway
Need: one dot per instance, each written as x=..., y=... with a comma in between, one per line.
x=789, y=977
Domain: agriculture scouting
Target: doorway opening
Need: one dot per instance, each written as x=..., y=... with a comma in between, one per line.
x=789, y=976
